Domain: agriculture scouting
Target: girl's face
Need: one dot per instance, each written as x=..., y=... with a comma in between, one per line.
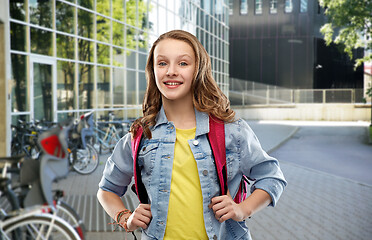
x=174, y=66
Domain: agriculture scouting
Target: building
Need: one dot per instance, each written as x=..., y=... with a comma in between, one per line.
x=61, y=58
x=279, y=42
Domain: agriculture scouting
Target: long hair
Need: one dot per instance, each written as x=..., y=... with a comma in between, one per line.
x=207, y=96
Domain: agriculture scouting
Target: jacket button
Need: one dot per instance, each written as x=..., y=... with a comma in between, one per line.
x=205, y=172
x=214, y=237
x=143, y=149
x=195, y=142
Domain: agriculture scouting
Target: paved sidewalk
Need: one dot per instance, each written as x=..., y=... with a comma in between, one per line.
x=315, y=205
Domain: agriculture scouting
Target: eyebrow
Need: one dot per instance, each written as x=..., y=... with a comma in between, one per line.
x=181, y=56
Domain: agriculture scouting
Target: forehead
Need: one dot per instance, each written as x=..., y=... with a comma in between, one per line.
x=173, y=48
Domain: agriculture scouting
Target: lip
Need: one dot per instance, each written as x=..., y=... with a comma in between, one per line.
x=172, y=83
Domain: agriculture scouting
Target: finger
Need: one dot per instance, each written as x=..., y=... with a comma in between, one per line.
x=220, y=212
x=145, y=206
x=225, y=217
x=216, y=200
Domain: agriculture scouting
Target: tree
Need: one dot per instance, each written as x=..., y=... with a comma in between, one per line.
x=353, y=21
x=349, y=25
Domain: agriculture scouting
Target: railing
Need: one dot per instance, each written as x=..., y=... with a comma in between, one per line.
x=247, y=93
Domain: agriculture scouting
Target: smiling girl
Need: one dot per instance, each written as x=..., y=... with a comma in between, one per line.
x=178, y=169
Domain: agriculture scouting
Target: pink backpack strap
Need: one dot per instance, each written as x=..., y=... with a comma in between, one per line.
x=139, y=186
x=216, y=138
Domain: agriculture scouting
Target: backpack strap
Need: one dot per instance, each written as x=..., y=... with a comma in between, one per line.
x=216, y=138
x=140, y=189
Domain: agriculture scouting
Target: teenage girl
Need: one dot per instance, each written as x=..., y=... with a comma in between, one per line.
x=176, y=159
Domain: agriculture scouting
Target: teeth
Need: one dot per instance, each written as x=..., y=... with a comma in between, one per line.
x=172, y=83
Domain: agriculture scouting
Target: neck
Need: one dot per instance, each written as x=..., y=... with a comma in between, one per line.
x=181, y=113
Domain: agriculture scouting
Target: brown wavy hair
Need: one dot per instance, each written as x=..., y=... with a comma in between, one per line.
x=207, y=96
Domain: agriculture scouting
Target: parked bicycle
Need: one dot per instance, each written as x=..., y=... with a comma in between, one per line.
x=37, y=221
x=108, y=133
x=24, y=138
x=83, y=156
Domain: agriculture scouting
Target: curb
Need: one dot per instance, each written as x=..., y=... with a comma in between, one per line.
x=290, y=135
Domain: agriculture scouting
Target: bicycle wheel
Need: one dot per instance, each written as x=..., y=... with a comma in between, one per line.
x=40, y=227
x=86, y=161
x=67, y=213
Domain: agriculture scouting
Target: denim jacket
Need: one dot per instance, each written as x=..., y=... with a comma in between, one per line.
x=244, y=155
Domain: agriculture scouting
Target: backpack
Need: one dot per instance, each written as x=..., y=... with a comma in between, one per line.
x=216, y=137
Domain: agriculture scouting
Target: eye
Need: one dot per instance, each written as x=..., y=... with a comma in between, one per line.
x=162, y=64
x=183, y=64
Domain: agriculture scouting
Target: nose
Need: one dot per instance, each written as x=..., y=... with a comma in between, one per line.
x=172, y=70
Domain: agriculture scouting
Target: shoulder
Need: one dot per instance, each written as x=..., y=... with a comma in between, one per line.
x=237, y=126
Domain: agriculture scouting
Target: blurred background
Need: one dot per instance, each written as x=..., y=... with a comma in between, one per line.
x=299, y=71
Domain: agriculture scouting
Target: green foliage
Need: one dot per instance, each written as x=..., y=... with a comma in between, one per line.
x=353, y=18
x=369, y=92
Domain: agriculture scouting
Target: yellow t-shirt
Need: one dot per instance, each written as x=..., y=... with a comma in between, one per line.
x=185, y=212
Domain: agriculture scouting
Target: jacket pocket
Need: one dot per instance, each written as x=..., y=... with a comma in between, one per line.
x=146, y=156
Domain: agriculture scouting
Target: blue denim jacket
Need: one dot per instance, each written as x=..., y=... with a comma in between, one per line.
x=244, y=155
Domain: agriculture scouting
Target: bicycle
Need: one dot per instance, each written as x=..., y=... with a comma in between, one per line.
x=36, y=222
x=83, y=157
x=109, y=133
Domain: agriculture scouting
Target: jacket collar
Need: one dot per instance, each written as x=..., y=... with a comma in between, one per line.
x=202, y=121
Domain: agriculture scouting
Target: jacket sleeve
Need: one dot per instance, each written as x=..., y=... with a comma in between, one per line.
x=118, y=171
x=257, y=165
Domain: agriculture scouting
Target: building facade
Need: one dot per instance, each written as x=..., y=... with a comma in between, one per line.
x=66, y=57
x=279, y=42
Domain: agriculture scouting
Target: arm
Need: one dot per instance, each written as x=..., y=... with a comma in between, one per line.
x=225, y=208
x=256, y=164
x=113, y=204
x=116, y=177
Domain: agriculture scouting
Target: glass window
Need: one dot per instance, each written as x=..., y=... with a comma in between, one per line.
x=41, y=41
x=65, y=46
x=118, y=34
x=118, y=10
x=103, y=29
x=65, y=85
x=86, y=3
x=42, y=91
x=103, y=87
x=86, y=50
x=86, y=86
x=118, y=57
x=258, y=7
x=19, y=84
x=103, y=53
x=303, y=6
x=273, y=6
x=141, y=40
x=131, y=87
x=85, y=24
x=288, y=8
x=243, y=7
x=17, y=9
x=131, y=59
x=142, y=15
x=41, y=12
x=131, y=38
x=103, y=7
x=142, y=86
x=65, y=15
x=118, y=86
x=142, y=59
x=18, y=36
x=130, y=12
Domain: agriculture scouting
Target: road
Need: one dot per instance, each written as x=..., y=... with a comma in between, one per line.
x=340, y=149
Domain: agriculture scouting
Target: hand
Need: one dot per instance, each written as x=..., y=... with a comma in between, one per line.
x=225, y=208
x=141, y=217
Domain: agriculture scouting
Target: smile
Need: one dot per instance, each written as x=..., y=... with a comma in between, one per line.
x=172, y=83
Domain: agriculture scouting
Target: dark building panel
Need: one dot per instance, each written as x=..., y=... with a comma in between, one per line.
x=286, y=49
